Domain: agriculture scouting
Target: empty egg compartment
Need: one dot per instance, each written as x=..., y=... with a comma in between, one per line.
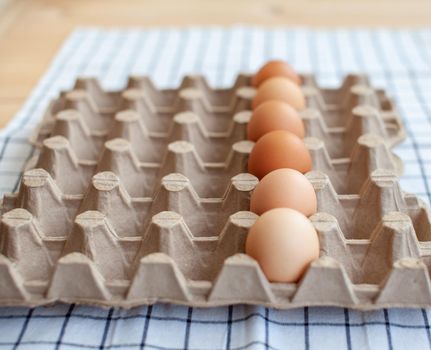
x=359, y=214
x=130, y=216
x=347, y=175
x=385, y=269
x=157, y=107
x=223, y=98
x=127, y=212
x=140, y=178
x=370, y=231
x=360, y=120
x=94, y=122
x=355, y=89
x=117, y=258
x=209, y=180
x=111, y=101
x=115, y=231
x=361, y=110
x=149, y=146
x=328, y=98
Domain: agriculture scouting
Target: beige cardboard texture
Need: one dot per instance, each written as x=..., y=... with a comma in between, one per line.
x=142, y=195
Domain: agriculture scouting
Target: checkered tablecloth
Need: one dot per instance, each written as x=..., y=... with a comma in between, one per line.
x=397, y=60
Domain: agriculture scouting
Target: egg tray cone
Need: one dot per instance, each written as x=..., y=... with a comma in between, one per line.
x=142, y=195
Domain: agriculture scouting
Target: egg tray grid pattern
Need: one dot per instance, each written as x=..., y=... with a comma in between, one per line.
x=97, y=222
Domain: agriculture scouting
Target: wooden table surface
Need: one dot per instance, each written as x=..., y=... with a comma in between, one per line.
x=31, y=31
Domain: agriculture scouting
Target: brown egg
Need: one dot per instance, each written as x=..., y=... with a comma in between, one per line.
x=274, y=115
x=275, y=68
x=276, y=150
x=279, y=89
x=284, y=243
x=284, y=188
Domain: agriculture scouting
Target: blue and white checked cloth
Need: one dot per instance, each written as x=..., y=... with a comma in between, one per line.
x=397, y=60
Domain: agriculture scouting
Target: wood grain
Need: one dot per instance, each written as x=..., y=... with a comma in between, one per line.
x=32, y=31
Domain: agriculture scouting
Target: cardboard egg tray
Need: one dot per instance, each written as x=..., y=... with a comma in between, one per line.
x=142, y=195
